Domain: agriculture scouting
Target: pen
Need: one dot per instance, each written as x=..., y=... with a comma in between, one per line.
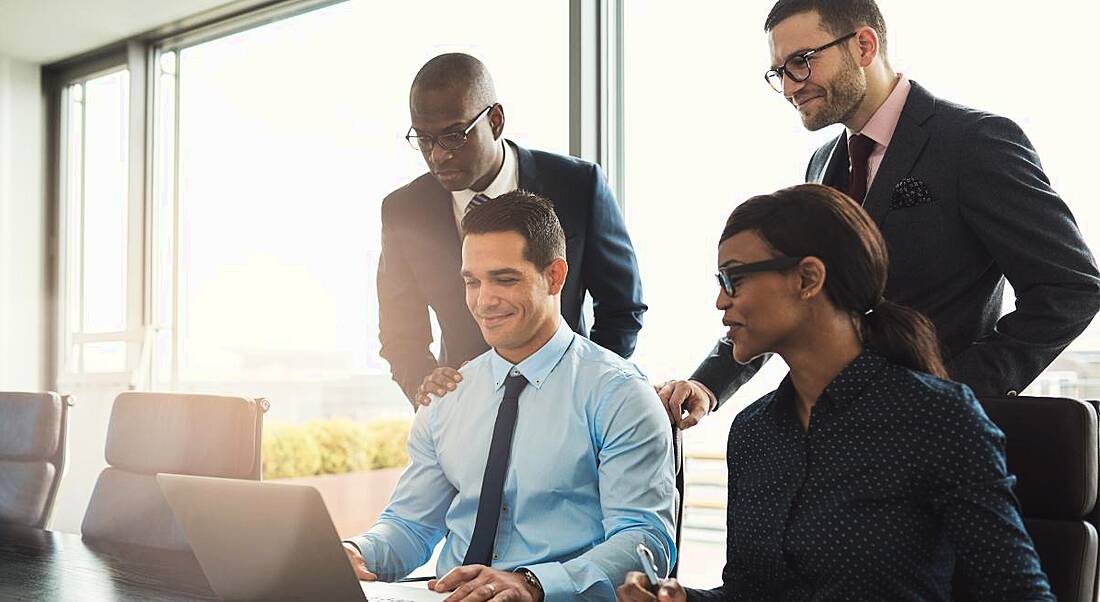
x=649, y=566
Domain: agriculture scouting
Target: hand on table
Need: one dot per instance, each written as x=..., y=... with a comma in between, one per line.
x=477, y=583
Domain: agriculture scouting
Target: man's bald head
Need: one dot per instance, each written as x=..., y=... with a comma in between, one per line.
x=458, y=74
x=453, y=93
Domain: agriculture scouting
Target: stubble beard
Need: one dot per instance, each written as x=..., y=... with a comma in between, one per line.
x=845, y=94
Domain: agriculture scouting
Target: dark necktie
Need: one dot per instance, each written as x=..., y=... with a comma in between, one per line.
x=496, y=468
x=859, y=150
x=479, y=199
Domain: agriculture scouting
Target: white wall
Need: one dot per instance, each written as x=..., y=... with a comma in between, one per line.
x=23, y=298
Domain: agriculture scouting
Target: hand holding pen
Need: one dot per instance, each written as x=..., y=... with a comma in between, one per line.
x=647, y=586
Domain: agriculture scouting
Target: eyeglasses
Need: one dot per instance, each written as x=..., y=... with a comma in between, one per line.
x=451, y=141
x=798, y=66
x=730, y=277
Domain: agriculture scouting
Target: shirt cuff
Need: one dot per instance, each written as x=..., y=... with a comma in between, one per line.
x=354, y=543
x=557, y=585
x=370, y=562
x=710, y=395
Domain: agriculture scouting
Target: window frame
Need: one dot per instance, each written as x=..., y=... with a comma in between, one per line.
x=58, y=79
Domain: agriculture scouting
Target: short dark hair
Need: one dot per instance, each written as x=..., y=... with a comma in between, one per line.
x=811, y=220
x=527, y=214
x=839, y=17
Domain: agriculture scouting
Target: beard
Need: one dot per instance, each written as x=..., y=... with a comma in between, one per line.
x=844, y=96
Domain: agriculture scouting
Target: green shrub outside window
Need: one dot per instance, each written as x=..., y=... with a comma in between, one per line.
x=333, y=446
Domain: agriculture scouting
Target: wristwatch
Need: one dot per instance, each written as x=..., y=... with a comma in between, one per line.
x=532, y=581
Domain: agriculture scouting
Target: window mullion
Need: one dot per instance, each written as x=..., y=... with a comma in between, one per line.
x=80, y=230
x=137, y=198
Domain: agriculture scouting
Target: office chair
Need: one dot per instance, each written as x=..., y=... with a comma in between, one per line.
x=1052, y=449
x=33, y=440
x=150, y=433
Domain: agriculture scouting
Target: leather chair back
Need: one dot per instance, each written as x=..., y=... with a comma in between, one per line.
x=150, y=433
x=1052, y=449
x=1093, y=517
x=33, y=439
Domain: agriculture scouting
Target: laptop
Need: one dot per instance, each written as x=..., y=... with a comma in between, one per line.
x=271, y=541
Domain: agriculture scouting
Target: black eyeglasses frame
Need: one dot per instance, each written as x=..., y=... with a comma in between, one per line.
x=454, y=140
x=775, y=75
x=729, y=277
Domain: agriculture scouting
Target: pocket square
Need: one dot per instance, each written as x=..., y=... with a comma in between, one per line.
x=910, y=192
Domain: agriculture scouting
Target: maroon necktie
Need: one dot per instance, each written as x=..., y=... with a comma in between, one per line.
x=859, y=149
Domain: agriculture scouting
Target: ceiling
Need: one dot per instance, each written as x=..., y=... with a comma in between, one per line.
x=44, y=31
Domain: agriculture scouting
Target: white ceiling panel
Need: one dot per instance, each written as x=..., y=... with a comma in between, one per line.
x=44, y=31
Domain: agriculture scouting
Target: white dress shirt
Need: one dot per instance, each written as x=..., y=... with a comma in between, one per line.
x=507, y=180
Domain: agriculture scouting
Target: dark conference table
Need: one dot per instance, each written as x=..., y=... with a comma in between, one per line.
x=45, y=565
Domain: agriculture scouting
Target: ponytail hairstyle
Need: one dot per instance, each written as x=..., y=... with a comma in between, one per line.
x=815, y=220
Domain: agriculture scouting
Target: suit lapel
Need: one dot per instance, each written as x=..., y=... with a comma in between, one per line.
x=528, y=174
x=833, y=170
x=904, y=150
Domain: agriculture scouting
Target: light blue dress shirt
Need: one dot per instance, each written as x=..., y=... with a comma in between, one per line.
x=591, y=474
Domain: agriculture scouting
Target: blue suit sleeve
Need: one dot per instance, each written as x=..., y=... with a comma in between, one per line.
x=404, y=326
x=610, y=271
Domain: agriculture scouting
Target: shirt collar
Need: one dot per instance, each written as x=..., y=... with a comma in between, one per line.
x=880, y=127
x=845, y=388
x=507, y=180
x=538, y=366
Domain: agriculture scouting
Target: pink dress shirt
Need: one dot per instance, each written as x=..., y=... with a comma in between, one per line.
x=882, y=124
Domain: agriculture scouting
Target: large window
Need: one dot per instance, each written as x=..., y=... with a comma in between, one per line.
x=289, y=136
x=703, y=131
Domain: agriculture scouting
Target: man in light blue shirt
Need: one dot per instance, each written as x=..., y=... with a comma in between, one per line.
x=581, y=467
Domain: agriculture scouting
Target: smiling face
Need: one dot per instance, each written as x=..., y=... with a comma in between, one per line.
x=765, y=308
x=837, y=86
x=516, y=305
x=437, y=111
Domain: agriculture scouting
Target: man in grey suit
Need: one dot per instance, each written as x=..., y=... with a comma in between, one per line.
x=959, y=195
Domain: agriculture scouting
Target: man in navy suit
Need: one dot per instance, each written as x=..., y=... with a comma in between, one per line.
x=959, y=195
x=458, y=126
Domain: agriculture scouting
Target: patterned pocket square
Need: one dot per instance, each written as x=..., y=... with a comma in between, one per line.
x=910, y=192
